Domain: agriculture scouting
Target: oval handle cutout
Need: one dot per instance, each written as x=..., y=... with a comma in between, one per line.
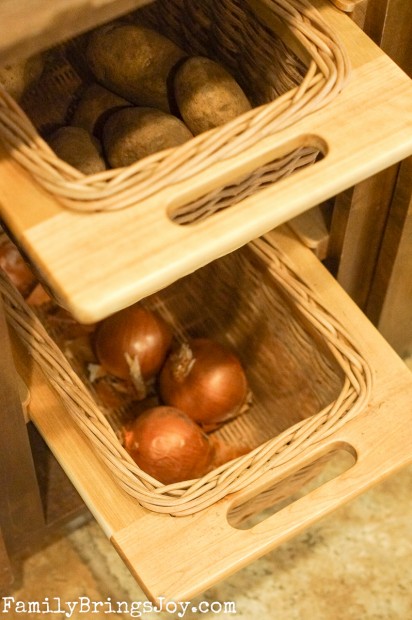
x=256, y=509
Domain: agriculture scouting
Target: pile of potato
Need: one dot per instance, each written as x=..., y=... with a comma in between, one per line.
x=148, y=95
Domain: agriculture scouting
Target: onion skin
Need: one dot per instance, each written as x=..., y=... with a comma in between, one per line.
x=135, y=333
x=166, y=444
x=205, y=380
x=38, y=296
x=223, y=452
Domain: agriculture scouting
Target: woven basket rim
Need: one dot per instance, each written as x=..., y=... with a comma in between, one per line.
x=191, y=496
x=119, y=188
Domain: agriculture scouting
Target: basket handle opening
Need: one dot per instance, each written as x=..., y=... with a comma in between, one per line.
x=245, y=514
x=226, y=186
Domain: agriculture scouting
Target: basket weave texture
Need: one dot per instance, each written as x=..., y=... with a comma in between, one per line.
x=239, y=34
x=325, y=380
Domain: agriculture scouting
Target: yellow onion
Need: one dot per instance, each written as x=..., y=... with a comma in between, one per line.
x=133, y=344
x=166, y=444
x=205, y=380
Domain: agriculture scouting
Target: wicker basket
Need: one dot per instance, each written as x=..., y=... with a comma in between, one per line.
x=286, y=77
x=306, y=377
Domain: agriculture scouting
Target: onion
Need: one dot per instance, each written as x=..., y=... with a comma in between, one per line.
x=205, y=380
x=166, y=444
x=133, y=344
x=12, y=262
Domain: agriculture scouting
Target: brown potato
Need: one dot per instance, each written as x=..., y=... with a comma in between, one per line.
x=134, y=62
x=94, y=106
x=133, y=133
x=78, y=148
x=19, y=76
x=207, y=95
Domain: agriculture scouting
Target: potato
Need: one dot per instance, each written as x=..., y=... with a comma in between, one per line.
x=18, y=77
x=133, y=133
x=207, y=95
x=134, y=62
x=94, y=106
x=78, y=148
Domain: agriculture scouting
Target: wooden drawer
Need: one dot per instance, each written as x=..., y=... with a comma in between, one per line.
x=98, y=263
x=159, y=548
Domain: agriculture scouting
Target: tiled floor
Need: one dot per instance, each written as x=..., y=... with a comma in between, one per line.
x=354, y=565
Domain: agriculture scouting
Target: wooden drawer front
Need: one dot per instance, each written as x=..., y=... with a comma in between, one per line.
x=158, y=548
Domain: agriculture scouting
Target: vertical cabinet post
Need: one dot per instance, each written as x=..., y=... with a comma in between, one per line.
x=21, y=511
